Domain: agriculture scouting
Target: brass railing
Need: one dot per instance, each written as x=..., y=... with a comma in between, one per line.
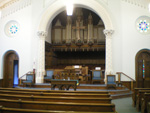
x=119, y=79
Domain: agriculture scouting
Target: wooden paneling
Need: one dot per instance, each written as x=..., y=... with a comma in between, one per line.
x=143, y=69
x=128, y=84
x=1, y=82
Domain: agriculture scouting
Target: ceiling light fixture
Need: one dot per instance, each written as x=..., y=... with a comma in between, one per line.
x=69, y=8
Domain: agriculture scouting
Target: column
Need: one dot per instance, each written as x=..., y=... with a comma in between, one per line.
x=41, y=57
x=108, y=66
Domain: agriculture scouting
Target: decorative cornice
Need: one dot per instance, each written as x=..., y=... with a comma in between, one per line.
x=13, y=6
x=42, y=33
x=6, y=3
x=139, y=3
x=108, y=32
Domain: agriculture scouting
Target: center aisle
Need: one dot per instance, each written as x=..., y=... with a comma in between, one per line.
x=124, y=105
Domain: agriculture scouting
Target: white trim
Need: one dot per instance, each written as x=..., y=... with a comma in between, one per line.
x=59, y=5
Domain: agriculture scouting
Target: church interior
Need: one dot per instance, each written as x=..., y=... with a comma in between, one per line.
x=74, y=56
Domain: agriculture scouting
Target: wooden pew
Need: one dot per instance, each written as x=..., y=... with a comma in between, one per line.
x=139, y=97
x=17, y=110
x=55, y=91
x=58, y=106
x=56, y=99
x=135, y=92
x=55, y=94
x=144, y=103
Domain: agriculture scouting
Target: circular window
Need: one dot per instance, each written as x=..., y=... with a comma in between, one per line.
x=143, y=25
x=12, y=28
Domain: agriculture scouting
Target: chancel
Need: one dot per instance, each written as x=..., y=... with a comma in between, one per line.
x=74, y=52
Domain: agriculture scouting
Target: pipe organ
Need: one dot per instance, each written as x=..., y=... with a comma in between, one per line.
x=78, y=30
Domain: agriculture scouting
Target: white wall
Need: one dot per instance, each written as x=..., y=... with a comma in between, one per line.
x=21, y=43
x=115, y=8
x=132, y=41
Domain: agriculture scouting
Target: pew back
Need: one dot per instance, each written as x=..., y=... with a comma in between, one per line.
x=139, y=97
x=62, y=106
x=135, y=92
x=54, y=94
x=54, y=91
x=17, y=110
x=144, y=103
x=56, y=99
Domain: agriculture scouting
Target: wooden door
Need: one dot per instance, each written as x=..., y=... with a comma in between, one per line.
x=143, y=69
x=147, y=75
x=140, y=74
x=8, y=80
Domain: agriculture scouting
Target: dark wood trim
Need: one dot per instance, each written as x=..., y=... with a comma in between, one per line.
x=128, y=84
x=1, y=82
x=136, y=63
x=7, y=66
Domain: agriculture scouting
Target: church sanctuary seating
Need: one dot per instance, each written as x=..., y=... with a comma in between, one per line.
x=18, y=110
x=32, y=101
x=29, y=80
x=111, y=81
x=145, y=103
x=135, y=93
x=54, y=91
x=139, y=98
x=65, y=106
x=56, y=99
x=55, y=94
x=49, y=75
x=97, y=76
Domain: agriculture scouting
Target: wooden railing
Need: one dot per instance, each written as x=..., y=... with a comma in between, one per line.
x=20, y=79
x=119, y=79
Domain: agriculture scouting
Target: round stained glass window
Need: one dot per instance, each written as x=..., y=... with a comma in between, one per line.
x=143, y=25
x=12, y=28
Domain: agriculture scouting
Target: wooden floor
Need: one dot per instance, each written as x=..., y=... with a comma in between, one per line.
x=119, y=92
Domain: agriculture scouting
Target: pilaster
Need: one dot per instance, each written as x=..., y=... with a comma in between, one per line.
x=41, y=57
x=108, y=66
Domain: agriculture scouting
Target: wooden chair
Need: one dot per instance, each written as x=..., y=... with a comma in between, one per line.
x=48, y=76
x=97, y=76
x=29, y=80
x=111, y=81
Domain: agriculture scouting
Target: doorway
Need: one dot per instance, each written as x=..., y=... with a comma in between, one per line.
x=11, y=66
x=143, y=69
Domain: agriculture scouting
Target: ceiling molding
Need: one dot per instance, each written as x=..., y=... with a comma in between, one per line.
x=139, y=3
x=14, y=6
x=5, y=3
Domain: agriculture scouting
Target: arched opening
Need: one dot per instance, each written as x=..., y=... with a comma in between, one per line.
x=143, y=69
x=79, y=36
x=76, y=40
x=58, y=6
x=11, y=69
x=94, y=6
